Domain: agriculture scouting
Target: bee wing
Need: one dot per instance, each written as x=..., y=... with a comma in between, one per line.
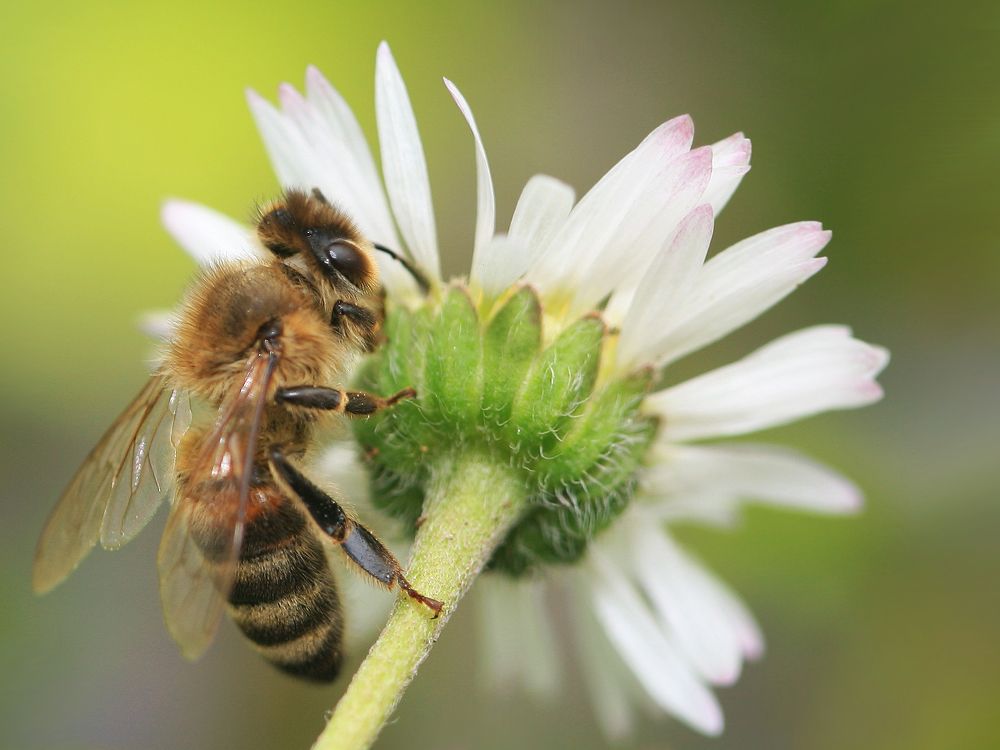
x=120, y=484
x=192, y=605
x=201, y=544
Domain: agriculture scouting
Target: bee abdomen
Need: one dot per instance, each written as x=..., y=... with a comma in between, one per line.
x=285, y=601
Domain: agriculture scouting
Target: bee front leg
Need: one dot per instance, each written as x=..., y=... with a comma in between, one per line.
x=352, y=403
x=356, y=322
x=360, y=545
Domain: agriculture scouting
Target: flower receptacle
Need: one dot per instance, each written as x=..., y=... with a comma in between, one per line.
x=494, y=387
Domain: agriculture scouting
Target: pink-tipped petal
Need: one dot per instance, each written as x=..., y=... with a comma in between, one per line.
x=653, y=658
x=652, y=217
x=737, y=285
x=807, y=372
x=730, y=162
x=675, y=585
x=596, y=219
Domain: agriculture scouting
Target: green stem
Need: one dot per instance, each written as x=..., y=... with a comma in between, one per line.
x=470, y=504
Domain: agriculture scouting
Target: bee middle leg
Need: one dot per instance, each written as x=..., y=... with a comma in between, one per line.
x=360, y=545
x=352, y=403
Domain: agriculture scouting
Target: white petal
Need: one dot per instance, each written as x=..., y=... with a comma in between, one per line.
x=790, y=242
x=541, y=210
x=343, y=127
x=614, y=692
x=720, y=511
x=707, y=319
x=520, y=645
x=544, y=205
x=737, y=285
x=730, y=161
x=654, y=660
x=499, y=633
x=501, y=263
x=803, y=373
x=665, y=286
x=207, y=235
x=158, y=324
x=671, y=193
x=745, y=471
x=485, y=202
x=595, y=220
x=674, y=591
x=748, y=632
x=286, y=147
x=691, y=603
x=403, y=164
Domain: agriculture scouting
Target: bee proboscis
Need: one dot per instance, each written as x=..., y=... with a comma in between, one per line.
x=258, y=343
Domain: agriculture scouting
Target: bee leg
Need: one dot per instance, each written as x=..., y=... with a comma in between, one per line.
x=360, y=545
x=353, y=403
x=355, y=321
x=360, y=315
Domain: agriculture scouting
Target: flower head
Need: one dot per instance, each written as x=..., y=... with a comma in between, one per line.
x=549, y=360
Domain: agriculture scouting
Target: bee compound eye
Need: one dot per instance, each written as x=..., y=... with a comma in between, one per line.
x=347, y=259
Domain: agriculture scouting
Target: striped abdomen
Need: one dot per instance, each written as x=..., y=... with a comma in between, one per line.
x=284, y=597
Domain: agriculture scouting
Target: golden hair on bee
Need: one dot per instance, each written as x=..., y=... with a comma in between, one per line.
x=224, y=313
x=263, y=344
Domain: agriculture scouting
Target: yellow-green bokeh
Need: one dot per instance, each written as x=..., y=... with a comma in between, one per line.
x=880, y=119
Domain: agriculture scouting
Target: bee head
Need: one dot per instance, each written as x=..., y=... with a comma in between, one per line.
x=308, y=226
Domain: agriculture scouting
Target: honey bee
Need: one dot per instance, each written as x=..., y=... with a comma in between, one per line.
x=258, y=344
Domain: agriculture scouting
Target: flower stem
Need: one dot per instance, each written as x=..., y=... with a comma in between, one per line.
x=471, y=503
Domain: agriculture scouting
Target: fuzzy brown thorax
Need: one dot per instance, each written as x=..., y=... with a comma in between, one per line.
x=220, y=324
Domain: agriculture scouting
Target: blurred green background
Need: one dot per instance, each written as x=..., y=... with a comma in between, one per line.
x=881, y=119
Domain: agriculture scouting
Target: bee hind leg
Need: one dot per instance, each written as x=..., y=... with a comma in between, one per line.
x=360, y=545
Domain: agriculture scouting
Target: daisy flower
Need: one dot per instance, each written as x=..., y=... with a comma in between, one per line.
x=543, y=370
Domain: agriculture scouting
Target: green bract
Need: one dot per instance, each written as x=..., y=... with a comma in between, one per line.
x=494, y=386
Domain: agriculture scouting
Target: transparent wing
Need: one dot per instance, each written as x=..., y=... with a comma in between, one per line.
x=189, y=590
x=201, y=544
x=120, y=484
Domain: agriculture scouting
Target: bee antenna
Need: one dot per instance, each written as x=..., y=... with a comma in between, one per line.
x=421, y=280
